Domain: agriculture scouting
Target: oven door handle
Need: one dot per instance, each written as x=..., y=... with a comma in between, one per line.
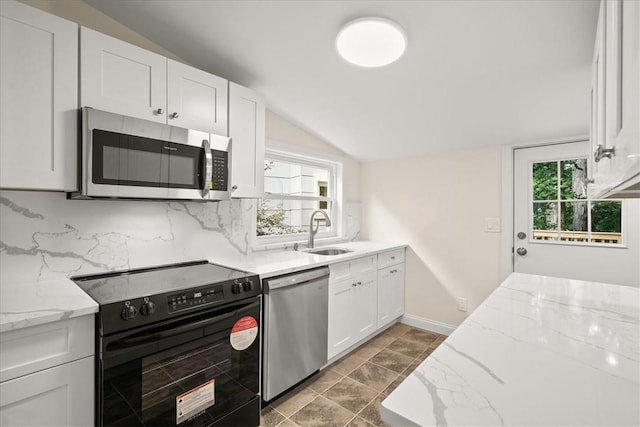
x=150, y=336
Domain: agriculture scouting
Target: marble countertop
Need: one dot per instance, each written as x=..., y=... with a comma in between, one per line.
x=275, y=263
x=539, y=351
x=30, y=304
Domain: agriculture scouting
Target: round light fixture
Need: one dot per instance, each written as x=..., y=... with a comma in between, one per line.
x=371, y=42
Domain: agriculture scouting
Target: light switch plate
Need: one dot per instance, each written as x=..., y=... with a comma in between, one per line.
x=492, y=225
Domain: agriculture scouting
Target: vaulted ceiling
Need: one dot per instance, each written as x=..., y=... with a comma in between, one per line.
x=475, y=73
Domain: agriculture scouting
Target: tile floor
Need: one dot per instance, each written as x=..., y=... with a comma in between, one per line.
x=349, y=392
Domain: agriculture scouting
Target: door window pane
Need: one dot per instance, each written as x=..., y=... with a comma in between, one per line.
x=545, y=181
x=606, y=222
x=545, y=221
x=573, y=179
x=574, y=219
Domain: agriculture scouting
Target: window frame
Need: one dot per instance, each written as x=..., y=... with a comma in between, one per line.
x=559, y=200
x=335, y=187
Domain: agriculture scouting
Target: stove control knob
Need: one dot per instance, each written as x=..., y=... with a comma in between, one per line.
x=247, y=286
x=148, y=308
x=128, y=312
x=236, y=288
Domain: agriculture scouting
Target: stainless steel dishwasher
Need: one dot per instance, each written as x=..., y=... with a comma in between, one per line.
x=295, y=321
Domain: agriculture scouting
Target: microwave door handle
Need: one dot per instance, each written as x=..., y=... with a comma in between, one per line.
x=207, y=166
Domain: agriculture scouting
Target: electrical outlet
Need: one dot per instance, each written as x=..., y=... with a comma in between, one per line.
x=463, y=304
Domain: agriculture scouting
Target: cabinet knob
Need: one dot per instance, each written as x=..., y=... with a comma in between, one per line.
x=158, y=111
x=234, y=188
x=174, y=115
x=354, y=284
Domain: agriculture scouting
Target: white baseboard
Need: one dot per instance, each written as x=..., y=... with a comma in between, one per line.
x=428, y=324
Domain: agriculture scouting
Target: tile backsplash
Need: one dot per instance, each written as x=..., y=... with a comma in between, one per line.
x=44, y=236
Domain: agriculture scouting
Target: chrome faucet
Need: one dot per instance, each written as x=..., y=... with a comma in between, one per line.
x=313, y=232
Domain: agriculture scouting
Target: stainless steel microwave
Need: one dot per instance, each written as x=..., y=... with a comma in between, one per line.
x=126, y=157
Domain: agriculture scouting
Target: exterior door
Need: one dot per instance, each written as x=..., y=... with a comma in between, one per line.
x=559, y=231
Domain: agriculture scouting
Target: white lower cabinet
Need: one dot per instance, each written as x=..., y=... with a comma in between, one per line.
x=365, y=295
x=390, y=294
x=47, y=374
x=58, y=396
x=353, y=291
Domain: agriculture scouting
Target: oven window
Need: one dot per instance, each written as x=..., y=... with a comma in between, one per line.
x=191, y=384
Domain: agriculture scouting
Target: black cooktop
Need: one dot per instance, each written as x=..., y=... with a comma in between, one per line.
x=126, y=285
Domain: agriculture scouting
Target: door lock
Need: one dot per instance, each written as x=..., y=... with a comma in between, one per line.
x=521, y=251
x=522, y=235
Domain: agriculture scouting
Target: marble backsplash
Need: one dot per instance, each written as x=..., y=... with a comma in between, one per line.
x=44, y=236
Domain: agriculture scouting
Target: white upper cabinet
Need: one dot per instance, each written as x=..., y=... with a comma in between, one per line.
x=196, y=99
x=616, y=109
x=39, y=101
x=119, y=77
x=247, y=132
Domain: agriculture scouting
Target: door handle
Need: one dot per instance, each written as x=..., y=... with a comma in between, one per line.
x=521, y=251
x=207, y=167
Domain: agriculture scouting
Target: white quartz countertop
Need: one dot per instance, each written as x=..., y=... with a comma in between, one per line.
x=275, y=263
x=539, y=351
x=30, y=304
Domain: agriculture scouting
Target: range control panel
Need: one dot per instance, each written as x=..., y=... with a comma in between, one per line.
x=135, y=312
x=194, y=298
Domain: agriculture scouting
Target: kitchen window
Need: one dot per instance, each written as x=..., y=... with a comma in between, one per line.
x=295, y=186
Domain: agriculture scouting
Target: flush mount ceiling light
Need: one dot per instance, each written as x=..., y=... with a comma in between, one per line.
x=371, y=42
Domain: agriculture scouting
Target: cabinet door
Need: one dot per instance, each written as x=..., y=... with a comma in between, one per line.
x=341, y=314
x=247, y=132
x=196, y=99
x=597, y=130
x=39, y=102
x=390, y=294
x=365, y=305
x=59, y=396
x=121, y=78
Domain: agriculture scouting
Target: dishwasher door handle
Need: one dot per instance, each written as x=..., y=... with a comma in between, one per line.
x=295, y=279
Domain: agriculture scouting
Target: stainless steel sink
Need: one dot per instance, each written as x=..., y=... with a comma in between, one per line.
x=328, y=251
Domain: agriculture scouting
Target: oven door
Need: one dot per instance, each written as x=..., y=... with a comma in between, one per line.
x=198, y=370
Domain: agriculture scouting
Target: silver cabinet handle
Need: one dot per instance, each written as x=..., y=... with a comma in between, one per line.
x=354, y=284
x=393, y=271
x=603, y=153
x=359, y=283
x=207, y=164
x=521, y=251
x=158, y=111
x=174, y=115
x=233, y=188
x=393, y=257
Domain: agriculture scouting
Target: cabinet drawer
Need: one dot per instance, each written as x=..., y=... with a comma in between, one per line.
x=352, y=268
x=386, y=259
x=40, y=347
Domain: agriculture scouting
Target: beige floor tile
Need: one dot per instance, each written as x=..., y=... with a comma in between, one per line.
x=391, y=360
x=294, y=401
x=374, y=376
x=323, y=380
x=366, y=351
x=322, y=412
x=421, y=336
x=359, y=422
x=371, y=412
x=381, y=341
x=287, y=423
x=347, y=364
x=269, y=417
x=351, y=394
x=397, y=330
x=408, y=348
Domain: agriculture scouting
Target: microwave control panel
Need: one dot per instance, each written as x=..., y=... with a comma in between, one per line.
x=220, y=176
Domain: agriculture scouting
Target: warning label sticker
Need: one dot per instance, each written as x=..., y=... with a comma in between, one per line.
x=244, y=333
x=195, y=401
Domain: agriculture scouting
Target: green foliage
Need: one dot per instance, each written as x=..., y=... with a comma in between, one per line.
x=272, y=221
x=545, y=181
x=606, y=217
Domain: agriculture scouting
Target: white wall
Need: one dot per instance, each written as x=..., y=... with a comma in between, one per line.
x=437, y=204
